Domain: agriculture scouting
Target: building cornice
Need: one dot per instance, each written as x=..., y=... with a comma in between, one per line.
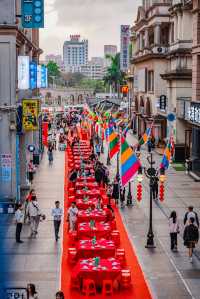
x=182, y=74
x=149, y=56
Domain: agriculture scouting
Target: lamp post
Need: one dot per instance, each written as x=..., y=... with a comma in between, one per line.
x=150, y=173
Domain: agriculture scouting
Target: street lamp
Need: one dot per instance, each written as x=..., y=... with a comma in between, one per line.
x=150, y=174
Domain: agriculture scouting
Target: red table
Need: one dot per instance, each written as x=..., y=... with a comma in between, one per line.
x=97, y=215
x=88, y=193
x=101, y=230
x=108, y=269
x=90, y=185
x=84, y=205
x=103, y=248
x=86, y=178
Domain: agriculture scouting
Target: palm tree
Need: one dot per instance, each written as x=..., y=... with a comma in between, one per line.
x=114, y=76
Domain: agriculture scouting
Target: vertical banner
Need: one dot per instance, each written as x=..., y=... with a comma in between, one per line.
x=45, y=133
x=23, y=72
x=43, y=76
x=39, y=76
x=32, y=13
x=6, y=167
x=33, y=75
x=30, y=114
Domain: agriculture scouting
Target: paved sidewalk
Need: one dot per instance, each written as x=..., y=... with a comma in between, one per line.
x=170, y=275
x=38, y=260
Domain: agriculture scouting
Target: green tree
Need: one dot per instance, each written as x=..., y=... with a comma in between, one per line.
x=114, y=76
x=53, y=71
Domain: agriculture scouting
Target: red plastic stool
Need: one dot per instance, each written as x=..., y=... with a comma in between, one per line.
x=113, y=224
x=72, y=238
x=107, y=288
x=75, y=283
x=115, y=236
x=71, y=191
x=120, y=256
x=72, y=256
x=89, y=287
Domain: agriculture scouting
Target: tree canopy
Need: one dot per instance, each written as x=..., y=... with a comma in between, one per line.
x=53, y=71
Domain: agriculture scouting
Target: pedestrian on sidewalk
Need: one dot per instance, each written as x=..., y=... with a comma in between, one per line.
x=60, y=295
x=19, y=217
x=50, y=154
x=191, y=214
x=174, y=229
x=35, y=215
x=122, y=196
x=155, y=187
x=31, y=291
x=115, y=192
x=31, y=170
x=191, y=236
x=57, y=213
x=72, y=216
x=28, y=199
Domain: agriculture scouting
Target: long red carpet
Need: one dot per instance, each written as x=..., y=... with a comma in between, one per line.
x=139, y=289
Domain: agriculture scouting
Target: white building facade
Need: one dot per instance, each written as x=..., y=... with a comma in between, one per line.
x=75, y=53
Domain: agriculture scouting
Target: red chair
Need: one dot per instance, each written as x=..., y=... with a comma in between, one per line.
x=75, y=283
x=72, y=238
x=115, y=236
x=89, y=287
x=72, y=255
x=113, y=224
x=107, y=288
x=71, y=191
x=120, y=256
x=125, y=278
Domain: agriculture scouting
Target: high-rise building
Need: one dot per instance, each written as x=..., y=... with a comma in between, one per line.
x=75, y=53
x=94, y=68
x=124, y=47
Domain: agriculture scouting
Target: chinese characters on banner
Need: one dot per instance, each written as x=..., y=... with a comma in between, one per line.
x=194, y=113
x=6, y=167
x=45, y=133
x=31, y=110
x=124, y=49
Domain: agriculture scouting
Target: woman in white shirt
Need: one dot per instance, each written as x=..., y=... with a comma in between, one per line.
x=72, y=216
x=31, y=291
x=174, y=229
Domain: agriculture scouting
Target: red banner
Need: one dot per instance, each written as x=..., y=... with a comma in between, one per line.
x=45, y=133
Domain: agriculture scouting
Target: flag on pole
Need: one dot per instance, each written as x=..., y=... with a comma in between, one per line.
x=166, y=156
x=113, y=142
x=129, y=162
x=125, y=131
x=145, y=137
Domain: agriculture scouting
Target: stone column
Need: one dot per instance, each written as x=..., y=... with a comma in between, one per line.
x=157, y=34
x=141, y=37
x=146, y=38
x=175, y=27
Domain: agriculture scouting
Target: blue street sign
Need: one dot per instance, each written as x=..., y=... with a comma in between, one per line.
x=32, y=13
x=171, y=117
x=33, y=75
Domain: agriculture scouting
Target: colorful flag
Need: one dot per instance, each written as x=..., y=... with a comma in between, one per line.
x=166, y=157
x=125, y=131
x=129, y=162
x=145, y=137
x=113, y=142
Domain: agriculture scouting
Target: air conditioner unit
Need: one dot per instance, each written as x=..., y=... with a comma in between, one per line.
x=160, y=50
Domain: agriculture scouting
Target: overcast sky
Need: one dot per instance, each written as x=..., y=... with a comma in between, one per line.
x=96, y=20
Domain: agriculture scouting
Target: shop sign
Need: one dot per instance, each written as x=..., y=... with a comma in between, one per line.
x=23, y=72
x=33, y=75
x=193, y=113
x=30, y=114
x=18, y=293
x=163, y=102
x=6, y=167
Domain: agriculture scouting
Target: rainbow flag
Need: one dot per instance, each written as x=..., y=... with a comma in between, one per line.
x=166, y=156
x=125, y=131
x=145, y=137
x=113, y=142
x=129, y=162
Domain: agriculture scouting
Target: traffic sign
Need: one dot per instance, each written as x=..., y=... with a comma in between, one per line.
x=33, y=13
x=171, y=117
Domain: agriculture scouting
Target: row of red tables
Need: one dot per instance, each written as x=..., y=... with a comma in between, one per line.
x=86, y=250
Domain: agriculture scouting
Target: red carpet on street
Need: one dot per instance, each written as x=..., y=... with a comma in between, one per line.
x=139, y=289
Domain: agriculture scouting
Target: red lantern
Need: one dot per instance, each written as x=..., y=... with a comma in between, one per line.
x=162, y=191
x=139, y=192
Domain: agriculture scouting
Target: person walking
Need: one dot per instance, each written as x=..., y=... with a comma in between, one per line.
x=115, y=191
x=50, y=154
x=35, y=215
x=72, y=216
x=191, y=214
x=191, y=237
x=98, y=149
x=28, y=199
x=19, y=217
x=60, y=295
x=31, y=169
x=57, y=213
x=174, y=229
x=155, y=187
x=31, y=291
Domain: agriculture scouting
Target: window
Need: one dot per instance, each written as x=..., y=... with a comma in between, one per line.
x=150, y=81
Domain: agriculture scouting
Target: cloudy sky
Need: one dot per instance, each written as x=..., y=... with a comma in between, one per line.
x=97, y=20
